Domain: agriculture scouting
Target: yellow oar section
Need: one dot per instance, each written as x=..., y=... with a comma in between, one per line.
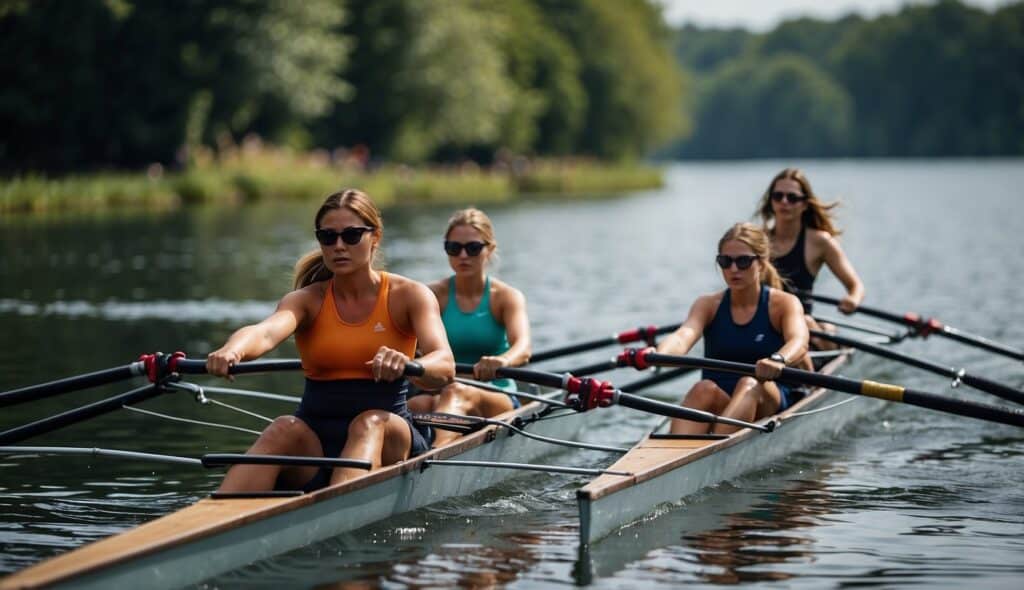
x=888, y=392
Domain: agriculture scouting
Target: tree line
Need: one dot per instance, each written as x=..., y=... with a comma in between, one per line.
x=120, y=84
x=943, y=79
x=96, y=84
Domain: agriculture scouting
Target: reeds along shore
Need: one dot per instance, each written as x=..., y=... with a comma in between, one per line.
x=251, y=174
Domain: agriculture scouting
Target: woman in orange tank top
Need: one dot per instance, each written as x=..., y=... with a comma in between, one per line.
x=355, y=328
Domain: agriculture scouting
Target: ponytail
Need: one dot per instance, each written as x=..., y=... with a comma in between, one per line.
x=310, y=269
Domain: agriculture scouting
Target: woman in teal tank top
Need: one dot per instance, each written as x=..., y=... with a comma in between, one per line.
x=485, y=319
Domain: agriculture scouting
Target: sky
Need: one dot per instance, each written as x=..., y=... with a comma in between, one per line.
x=762, y=15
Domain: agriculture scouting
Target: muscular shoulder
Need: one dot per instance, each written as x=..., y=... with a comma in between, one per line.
x=781, y=302
x=706, y=305
x=304, y=302
x=821, y=239
x=439, y=288
x=407, y=290
x=505, y=295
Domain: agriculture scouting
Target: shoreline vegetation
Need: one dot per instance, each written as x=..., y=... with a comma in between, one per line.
x=254, y=172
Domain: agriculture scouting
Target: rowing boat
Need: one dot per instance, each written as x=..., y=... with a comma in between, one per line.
x=665, y=468
x=214, y=535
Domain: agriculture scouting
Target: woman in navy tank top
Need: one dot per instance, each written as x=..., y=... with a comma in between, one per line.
x=804, y=238
x=752, y=321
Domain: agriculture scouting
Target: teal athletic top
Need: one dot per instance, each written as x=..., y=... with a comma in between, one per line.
x=475, y=333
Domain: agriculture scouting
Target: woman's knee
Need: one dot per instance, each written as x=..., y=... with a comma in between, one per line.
x=368, y=421
x=702, y=393
x=283, y=433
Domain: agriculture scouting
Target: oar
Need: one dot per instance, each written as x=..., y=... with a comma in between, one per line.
x=893, y=393
x=642, y=333
x=586, y=394
x=69, y=384
x=925, y=327
x=165, y=366
x=958, y=375
x=20, y=433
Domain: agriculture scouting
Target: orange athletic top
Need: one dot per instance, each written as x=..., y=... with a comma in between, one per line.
x=334, y=349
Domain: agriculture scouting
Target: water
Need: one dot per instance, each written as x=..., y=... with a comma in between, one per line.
x=905, y=498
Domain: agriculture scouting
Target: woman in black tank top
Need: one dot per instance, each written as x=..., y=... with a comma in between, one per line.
x=803, y=238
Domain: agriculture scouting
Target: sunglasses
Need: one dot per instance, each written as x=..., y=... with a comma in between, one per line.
x=473, y=248
x=791, y=198
x=742, y=262
x=350, y=235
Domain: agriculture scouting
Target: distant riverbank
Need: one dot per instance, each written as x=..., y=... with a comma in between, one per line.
x=248, y=175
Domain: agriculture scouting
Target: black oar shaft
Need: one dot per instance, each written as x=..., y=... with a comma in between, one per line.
x=626, y=337
x=930, y=327
x=224, y=459
x=884, y=391
x=530, y=376
x=52, y=388
x=987, y=385
x=198, y=367
x=673, y=411
x=981, y=342
x=20, y=433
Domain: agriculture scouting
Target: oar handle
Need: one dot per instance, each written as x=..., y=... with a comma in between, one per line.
x=68, y=384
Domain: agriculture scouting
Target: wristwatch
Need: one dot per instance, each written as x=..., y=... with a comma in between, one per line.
x=777, y=357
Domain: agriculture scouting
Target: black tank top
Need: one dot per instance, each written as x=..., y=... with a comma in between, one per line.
x=793, y=267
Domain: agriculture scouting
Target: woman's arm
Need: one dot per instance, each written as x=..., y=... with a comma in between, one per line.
x=840, y=266
x=512, y=315
x=691, y=330
x=255, y=340
x=432, y=341
x=794, y=334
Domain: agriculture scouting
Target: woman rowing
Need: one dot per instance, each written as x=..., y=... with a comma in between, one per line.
x=485, y=320
x=356, y=329
x=804, y=237
x=752, y=321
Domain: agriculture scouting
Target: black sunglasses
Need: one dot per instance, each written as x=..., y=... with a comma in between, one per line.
x=742, y=262
x=350, y=235
x=791, y=198
x=473, y=248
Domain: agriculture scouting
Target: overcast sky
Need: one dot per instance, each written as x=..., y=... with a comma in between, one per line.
x=761, y=15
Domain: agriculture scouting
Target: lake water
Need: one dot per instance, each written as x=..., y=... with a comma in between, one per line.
x=905, y=498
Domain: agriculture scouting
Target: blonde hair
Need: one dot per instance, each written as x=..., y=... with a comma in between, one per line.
x=817, y=214
x=757, y=239
x=477, y=220
x=310, y=268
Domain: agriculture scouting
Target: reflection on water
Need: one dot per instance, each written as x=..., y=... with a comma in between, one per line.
x=905, y=497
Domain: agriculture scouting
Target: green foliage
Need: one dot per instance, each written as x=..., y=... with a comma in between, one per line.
x=764, y=107
x=98, y=84
x=931, y=80
x=633, y=84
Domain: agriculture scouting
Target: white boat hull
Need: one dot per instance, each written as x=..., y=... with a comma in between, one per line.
x=243, y=539
x=607, y=504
